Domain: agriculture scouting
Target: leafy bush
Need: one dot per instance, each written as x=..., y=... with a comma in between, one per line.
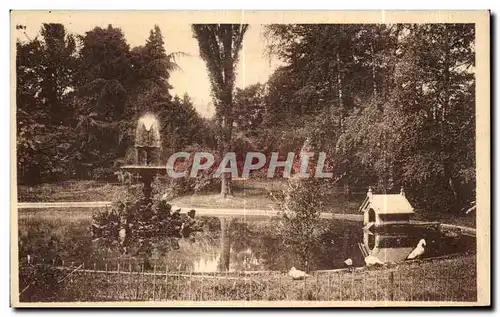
x=140, y=226
x=302, y=203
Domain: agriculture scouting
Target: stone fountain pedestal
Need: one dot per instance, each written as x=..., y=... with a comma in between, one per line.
x=147, y=174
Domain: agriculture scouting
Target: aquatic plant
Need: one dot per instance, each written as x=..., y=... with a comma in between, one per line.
x=300, y=226
x=139, y=227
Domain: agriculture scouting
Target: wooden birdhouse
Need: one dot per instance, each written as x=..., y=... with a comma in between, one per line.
x=386, y=209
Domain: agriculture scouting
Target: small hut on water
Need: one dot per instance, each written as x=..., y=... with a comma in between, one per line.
x=386, y=209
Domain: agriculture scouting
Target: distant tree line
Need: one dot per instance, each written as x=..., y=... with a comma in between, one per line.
x=79, y=97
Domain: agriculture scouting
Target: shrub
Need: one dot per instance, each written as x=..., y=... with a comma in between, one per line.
x=140, y=227
x=302, y=204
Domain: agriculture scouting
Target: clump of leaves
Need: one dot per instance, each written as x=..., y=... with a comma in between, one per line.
x=106, y=226
x=301, y=204
x=203, y=181
x=139, y=227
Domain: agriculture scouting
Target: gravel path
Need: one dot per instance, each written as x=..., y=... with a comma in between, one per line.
x=199, y=211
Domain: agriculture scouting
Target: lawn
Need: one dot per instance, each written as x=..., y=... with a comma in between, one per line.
x=68, y=191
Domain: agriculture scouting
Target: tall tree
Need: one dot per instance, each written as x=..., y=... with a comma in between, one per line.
x=181, y=125
x=59, y=57
x=104, y=77
x=422, y=134
x=44, y=69
x=219, y=46
x=249, y=108
x=152, y=67
x=435, y=79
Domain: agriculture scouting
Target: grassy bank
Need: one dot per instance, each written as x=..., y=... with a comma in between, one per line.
x=454, y=219
x=250, y=194
x=451, y=279
x=68, y=191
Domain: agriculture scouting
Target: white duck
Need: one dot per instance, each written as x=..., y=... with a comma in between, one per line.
x=348, y=262
x=121, y=234
x=297, y=274
x=418, y=251
x=372, y=260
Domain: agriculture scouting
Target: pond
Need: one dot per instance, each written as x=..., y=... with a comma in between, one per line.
x=257, y=246
x=238, y=244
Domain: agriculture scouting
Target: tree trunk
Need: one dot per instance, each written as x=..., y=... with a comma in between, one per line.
x=347, y=196
x=339, y=90
x=224, y=148
x=374, y=70
x=226, y=98
x=441, y=117
x=225, y=187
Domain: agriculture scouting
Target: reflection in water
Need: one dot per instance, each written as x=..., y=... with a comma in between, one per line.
x=242, y=245
x=388, y=247
x=245, y=260
x=236, y=244
x=237, y=261
x=233, y=254
x=206, y=264
x=225, y=243
x=249, y=244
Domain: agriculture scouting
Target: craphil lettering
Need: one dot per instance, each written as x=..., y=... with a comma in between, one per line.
x=305, y=166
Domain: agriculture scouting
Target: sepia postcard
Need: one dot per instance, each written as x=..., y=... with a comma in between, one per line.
x=250, y=158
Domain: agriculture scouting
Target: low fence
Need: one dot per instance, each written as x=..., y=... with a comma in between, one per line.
x=440, y=281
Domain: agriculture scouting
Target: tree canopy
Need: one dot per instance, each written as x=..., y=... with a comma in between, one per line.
x=392, y=105
x=79, y=97
x=220, y=45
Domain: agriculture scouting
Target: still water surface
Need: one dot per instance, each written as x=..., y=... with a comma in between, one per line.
x=235, y=244
x=256, y=245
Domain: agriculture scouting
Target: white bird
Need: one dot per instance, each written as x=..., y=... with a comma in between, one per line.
x=122, y=234
x=418, y=251
x=297, y=274
x=372, y=260
x=348, y=262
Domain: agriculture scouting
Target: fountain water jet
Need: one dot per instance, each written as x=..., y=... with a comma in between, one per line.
x=147, y=140
x=147, y=146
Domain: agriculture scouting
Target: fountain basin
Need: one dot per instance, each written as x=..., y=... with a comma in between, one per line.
x=140, y=169
x=147, y=173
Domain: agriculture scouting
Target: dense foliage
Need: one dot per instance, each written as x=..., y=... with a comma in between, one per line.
x=79, y=96
x=392, y=105
x=302, y=202
x=139, y=228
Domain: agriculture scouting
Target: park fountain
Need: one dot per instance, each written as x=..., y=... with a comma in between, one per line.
x=141, y=224
x=147, y=153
